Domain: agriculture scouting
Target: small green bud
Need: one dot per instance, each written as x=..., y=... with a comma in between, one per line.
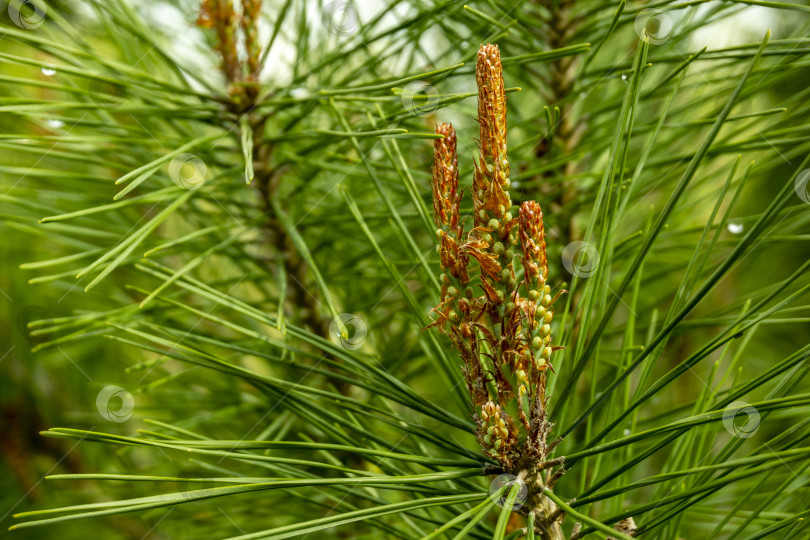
x=547, y=300
x=493, y=224
x=452, y=292
x=534, y=295
x=498, y=248
x=545, y=329
x=537, y=342
x=541, y=362
x=546, y=353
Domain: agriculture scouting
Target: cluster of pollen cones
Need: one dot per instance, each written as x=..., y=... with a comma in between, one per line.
x=496, y=307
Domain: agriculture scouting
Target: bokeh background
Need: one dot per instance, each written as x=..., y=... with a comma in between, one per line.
x=57, y=385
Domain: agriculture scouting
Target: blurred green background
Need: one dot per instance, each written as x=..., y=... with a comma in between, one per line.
x=57, y=386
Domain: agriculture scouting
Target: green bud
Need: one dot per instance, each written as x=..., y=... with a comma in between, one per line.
x=537, y=342
x=493, y=224
x=541, y=362
x=498, y=248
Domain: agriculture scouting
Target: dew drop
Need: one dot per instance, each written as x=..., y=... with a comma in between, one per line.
x=48, y=71
x=624, y=77
x=735, y=228
x=56, y=123
x=626, y=432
